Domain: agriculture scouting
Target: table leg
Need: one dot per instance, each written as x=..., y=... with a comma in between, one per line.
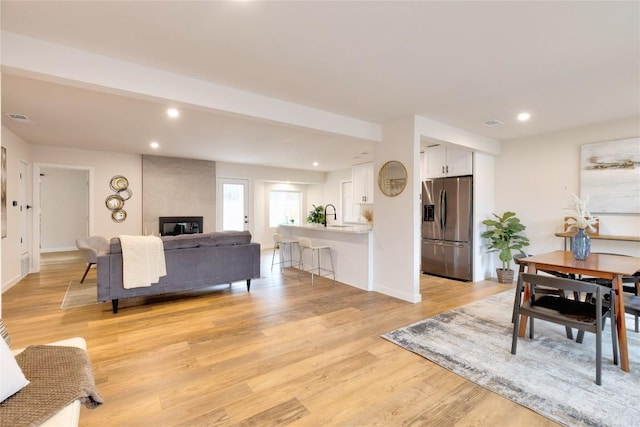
x=621, y=324
x=531, y=269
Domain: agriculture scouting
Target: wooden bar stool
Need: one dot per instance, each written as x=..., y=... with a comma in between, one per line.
x=305, y=245
x=280, y=244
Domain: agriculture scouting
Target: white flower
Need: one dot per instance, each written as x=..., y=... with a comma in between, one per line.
x=579, y=215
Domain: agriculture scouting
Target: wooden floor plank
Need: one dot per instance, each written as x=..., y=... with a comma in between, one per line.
x=286, y=353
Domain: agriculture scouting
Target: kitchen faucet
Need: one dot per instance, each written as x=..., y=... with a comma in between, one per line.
x=335, y=213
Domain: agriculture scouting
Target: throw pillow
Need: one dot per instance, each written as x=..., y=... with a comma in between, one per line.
x=13, y=380
x=4, y=333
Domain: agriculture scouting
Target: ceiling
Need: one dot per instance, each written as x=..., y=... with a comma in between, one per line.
x=569, y=64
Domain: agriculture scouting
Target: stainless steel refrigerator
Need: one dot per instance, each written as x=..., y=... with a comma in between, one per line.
x=447, y=227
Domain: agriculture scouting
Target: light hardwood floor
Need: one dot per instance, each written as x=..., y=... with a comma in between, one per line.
x=286, y=353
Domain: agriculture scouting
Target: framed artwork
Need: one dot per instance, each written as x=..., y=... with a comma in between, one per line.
x=610, y=176
x=4, y=192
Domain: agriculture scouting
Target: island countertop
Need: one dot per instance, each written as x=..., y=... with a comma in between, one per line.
x=338, y=228
x=351, y=246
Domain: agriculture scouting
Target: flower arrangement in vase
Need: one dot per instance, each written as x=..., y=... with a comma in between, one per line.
x=581, y=219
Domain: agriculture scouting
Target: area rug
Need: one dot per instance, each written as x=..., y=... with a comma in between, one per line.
x=80, y=294
x=552, y=375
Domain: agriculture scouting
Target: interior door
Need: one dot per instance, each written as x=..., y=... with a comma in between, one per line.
x=23, y=218
x=235, y=204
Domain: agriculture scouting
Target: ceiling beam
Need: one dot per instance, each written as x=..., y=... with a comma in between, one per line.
x=40, y=59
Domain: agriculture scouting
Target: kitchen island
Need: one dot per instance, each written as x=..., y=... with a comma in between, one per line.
x=351, y=247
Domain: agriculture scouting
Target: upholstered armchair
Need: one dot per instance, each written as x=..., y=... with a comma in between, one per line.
x=91, y=248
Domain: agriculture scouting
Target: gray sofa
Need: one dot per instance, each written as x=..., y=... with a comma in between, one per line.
x=193, y=261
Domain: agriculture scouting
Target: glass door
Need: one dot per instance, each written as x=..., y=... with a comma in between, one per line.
x=234, y=204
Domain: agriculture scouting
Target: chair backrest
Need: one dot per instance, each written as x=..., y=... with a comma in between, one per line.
x=304, y=242
x=517, y=258
x=537, y=280
x=277, y=238
x=92, y=247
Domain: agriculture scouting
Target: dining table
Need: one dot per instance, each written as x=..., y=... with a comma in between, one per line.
x=606, y=266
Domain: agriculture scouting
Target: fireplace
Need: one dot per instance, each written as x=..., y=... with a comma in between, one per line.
x=175, y=225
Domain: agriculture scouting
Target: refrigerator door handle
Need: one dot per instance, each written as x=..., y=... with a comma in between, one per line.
x=443, y=208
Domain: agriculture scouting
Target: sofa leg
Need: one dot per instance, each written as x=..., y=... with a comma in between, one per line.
x=114, y=305
x=248, y=285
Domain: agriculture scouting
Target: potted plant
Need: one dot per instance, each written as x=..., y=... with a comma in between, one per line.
x=504, y=238
x=316, y=216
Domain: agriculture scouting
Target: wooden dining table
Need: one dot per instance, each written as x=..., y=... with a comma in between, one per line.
x=605, y=266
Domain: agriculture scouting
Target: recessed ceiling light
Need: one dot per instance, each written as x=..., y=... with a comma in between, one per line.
x=523, y=117
x=154, y=145
x=173, y=112
x=315, y=164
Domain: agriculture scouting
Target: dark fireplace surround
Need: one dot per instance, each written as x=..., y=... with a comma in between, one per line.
x=176, y=225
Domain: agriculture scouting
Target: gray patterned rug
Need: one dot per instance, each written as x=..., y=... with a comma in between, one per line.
x=550, y=374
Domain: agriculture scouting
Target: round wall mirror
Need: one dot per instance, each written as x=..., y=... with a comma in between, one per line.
x=392, y=178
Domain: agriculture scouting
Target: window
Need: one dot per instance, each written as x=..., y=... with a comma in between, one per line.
x=284, y=206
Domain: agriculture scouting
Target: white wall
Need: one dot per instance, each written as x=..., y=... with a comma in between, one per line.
x=264, y=235
x=266, y=173
x=332, y=192
x=105, y=166
x=396, y=230
x=64, y=204
x=483, y=204
x=535, y=178
x=17, y=150
x=264, y=178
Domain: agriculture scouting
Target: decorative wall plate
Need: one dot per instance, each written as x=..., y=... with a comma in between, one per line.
x=125, y=194
x=119, y=215
x=114, y=202
x=118, y=183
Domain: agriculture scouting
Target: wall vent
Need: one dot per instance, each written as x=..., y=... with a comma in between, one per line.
x=492, y=123
x=24, y=266
x=18, y=117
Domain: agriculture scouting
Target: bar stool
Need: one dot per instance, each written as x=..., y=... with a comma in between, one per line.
x=305, y=245
x=280, y=244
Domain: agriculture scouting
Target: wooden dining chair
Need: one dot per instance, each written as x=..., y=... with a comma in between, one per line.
x=583, y=315
x=517, y=258
x=630, y=287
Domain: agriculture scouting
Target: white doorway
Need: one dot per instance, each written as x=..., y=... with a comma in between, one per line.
x=23, y=220
x=62, y=207
x=234, y=202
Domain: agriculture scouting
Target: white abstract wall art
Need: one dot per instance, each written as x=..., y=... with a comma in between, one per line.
x=610, y=176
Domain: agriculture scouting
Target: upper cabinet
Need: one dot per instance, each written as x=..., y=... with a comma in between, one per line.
x=362, y=178
x=444, y=160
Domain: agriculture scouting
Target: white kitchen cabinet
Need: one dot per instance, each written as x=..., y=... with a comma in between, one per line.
x=443, y=160
x=362, y=178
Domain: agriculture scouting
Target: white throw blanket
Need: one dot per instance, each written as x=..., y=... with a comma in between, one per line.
x=142, y=261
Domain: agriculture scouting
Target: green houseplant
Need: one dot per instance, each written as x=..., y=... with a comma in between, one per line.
x=316, y=215
x=504, y=238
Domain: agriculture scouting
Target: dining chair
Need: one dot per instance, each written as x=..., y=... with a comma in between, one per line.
x=583, y=315
x=630, y=288
x=517, y=258
x=91, y=248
